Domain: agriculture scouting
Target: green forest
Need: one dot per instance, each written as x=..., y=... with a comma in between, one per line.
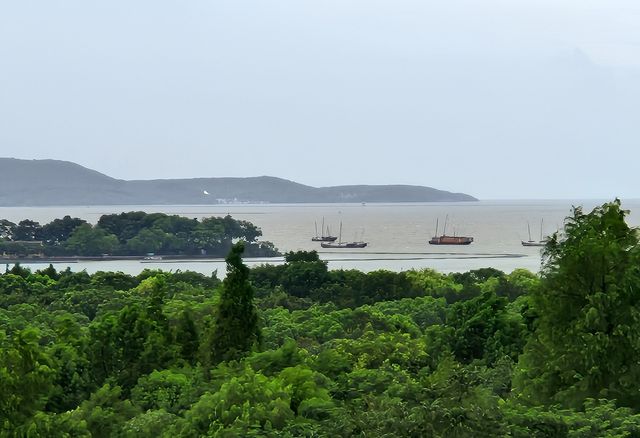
x=297, y=350
x=133, y=233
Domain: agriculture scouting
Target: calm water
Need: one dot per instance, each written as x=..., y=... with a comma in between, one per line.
x=397, y=233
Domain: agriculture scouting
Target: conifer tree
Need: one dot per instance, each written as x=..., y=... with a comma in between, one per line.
x=235, y=328
x=187, y=337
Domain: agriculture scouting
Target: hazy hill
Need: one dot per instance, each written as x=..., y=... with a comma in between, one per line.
x=53, y=182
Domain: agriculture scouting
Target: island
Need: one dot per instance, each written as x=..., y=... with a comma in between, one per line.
x=133, y=234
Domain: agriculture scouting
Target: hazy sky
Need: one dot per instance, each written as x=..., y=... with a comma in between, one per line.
x=499, y=99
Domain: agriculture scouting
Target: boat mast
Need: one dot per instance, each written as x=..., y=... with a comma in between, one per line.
x=541, y=223
x=444, y=230
x=529, y=230
x=340, y=234
x=316, y=224
x=436, y=235
x=322, y=229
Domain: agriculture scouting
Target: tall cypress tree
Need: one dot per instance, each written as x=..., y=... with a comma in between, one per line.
x=235, y=328
x=187, y=337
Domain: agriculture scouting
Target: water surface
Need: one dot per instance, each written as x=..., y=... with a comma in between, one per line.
x=397, y=233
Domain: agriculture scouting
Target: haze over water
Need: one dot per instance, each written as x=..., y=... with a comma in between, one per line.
x=397, y=234
x=464, y=96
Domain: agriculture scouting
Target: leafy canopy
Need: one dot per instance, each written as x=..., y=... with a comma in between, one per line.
x=587, y=340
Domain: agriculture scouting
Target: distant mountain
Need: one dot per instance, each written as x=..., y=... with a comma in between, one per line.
x=53, y=182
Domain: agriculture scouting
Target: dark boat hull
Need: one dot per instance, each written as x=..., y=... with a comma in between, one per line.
x=344, y=245
x=324, y=239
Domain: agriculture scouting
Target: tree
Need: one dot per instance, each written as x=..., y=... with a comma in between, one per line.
x=485, y=329
x=105, y=412
x=148, y=240
x=250, y=404
x=50, y=272
x=7, y=229
x=587, y=340
x=304, y=272
x=126, y=225
x=240, y=229
x=301, y=256
x=130, y=343
x=235, y=328
x=25, y=378
x=91, y=241
x=166, y=389
x=178, y=225
x=186, y=336
x=59, y=230
x=27, y=230
x=115, y=280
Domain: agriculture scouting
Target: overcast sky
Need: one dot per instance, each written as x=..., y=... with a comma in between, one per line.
x=499, y=99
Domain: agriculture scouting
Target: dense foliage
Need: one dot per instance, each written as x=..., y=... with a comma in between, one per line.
x=298, y=350
x=235, y=330
x=587, y=341
x=133, y=233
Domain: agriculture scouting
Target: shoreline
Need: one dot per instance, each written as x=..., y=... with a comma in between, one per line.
x=326, y=256
x=77, y=259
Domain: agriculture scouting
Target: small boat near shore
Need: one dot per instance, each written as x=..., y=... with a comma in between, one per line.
x=448, y=240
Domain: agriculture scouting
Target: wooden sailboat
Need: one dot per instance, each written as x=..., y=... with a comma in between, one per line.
x=531, y=242
x=323, y=238
x=448, y=240
x=340, y=244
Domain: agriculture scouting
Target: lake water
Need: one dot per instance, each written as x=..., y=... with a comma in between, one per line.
x=397, y=234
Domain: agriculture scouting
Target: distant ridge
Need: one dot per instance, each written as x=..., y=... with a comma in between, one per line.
x=54, y=182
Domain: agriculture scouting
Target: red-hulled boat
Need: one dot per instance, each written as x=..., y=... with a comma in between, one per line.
x=448, y=240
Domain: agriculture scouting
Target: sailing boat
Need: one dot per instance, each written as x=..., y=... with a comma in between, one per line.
x=341, y=244
x=530, y=242
x=322, y=237
x=448, y=240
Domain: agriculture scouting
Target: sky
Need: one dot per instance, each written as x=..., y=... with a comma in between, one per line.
x=501, y=99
